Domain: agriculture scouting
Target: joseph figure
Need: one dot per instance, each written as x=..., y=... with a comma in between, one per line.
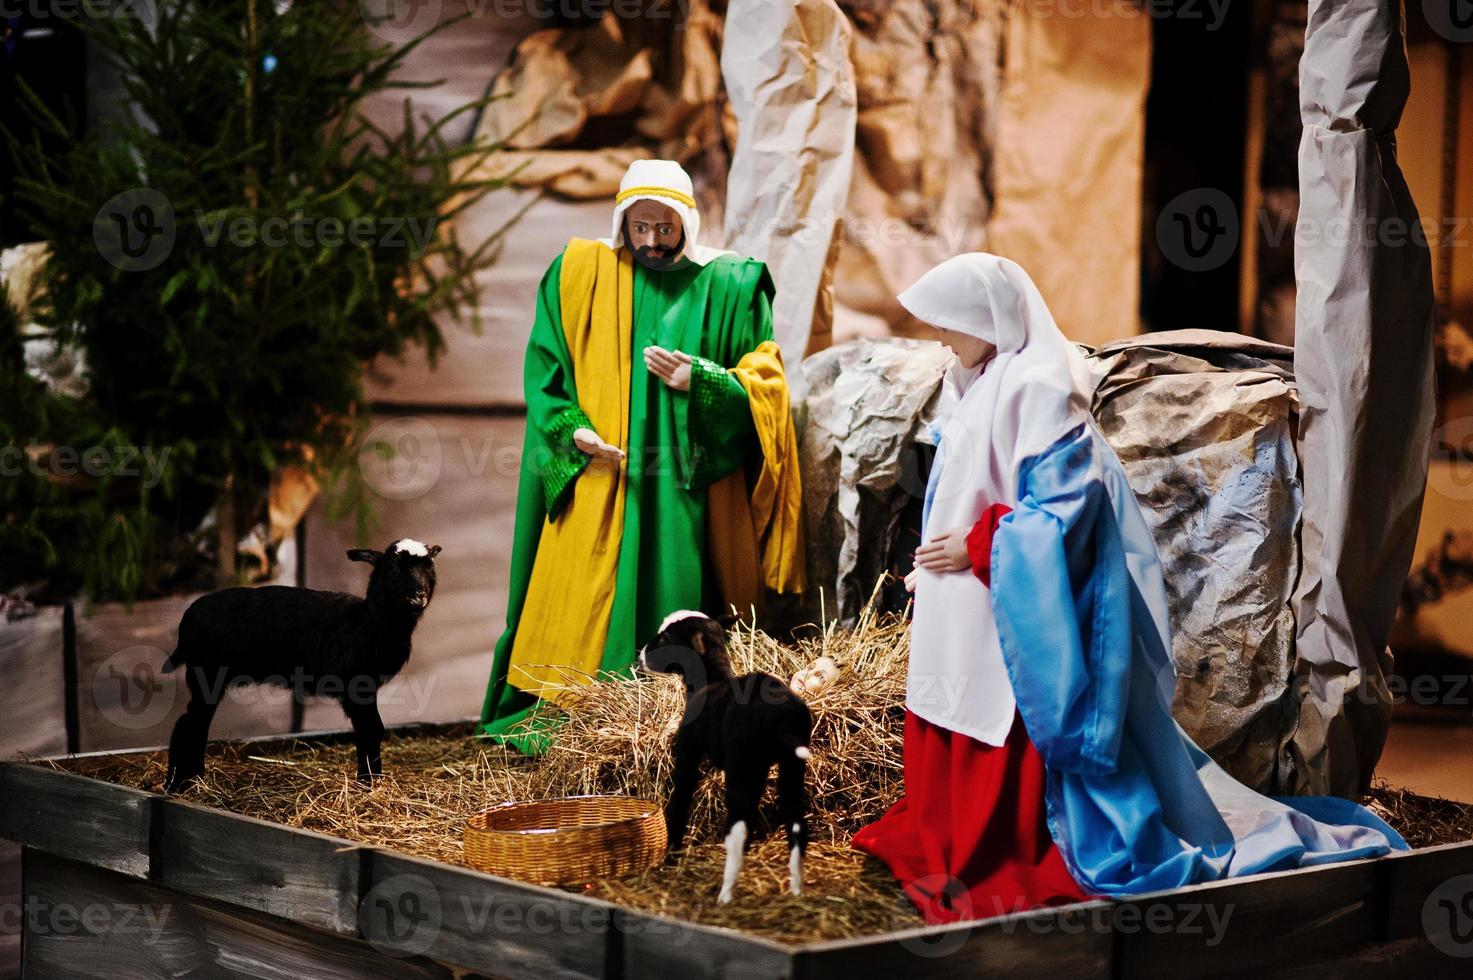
x=660, y=463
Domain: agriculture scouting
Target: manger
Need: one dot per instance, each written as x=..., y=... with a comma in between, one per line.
x=279, y=856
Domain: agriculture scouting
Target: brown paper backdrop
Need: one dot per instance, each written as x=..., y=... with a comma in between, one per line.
x=1067, y=166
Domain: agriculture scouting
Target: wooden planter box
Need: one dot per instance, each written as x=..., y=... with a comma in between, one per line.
x=119, y=881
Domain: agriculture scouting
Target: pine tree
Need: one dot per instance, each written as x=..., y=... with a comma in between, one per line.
x=230, y=252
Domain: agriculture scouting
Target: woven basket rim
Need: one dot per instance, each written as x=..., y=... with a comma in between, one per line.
x=651, y=808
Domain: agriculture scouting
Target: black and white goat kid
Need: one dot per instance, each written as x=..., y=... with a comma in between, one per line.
x=330, y=644
x=745, y=725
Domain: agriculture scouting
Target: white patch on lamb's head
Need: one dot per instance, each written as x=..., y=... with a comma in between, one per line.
x=409, y=546
x=677, y=616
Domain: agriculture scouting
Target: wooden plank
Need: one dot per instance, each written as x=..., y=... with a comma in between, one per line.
x=486, y=368
x=1068, y=941
x=76, y=817
x=82, y=921
x=10, y=898
x=456, y=915
x=459, y=493
x=655, y=946
x=1262, y=922
x=1403, y=958
x=306, y=877
x=1430, y=897
x=32, y=693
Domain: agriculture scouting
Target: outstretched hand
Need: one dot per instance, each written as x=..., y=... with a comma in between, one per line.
x=670, y=366
x=946, y=552
x=594, y=445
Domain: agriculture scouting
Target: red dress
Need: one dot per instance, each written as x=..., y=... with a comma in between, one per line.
x=970, y=839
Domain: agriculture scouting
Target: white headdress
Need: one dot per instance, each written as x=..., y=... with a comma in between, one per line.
x=667, y=182
x=1035, y=390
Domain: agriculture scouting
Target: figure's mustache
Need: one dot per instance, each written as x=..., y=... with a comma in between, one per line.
x=661, y=252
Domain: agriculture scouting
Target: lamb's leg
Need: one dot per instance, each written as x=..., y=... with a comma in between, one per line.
x=191, y=734
x=792, y=794
x=368, y=734
x=687, y=754
x=744, y=785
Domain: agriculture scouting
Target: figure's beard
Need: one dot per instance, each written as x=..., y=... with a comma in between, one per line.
x=659, y=259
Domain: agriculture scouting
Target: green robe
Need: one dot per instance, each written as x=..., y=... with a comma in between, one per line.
x=679, y=443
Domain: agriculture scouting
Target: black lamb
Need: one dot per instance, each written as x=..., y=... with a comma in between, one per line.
x=745, y=725
x=330, y=644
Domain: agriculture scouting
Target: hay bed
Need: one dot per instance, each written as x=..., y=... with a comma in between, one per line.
x=616, y=740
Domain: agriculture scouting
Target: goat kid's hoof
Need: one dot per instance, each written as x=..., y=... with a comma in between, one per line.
x=724, y=898
x=369, y=779
x=175, y=783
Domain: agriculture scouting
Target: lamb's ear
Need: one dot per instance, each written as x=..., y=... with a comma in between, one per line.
x=434, y=550
x=698, y=643
x=727, y=620
x=365, y=554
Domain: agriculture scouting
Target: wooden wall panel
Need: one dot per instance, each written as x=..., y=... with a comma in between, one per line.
x=463, y=498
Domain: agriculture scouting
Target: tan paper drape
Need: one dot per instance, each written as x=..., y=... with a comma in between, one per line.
x=791, y=85
x=1067, y=165
x=1363, y=360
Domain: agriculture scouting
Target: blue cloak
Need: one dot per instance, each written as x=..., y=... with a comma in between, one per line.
x=1133, y=803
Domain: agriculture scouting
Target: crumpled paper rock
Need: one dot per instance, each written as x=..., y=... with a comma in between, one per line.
x=577, y=105
x=860, y=422
x=1204, y=425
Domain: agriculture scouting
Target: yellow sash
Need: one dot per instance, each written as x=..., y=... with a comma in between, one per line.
x=756, y=539
x=578, y=555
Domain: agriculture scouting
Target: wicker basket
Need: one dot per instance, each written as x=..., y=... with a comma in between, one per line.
x=559, y=842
